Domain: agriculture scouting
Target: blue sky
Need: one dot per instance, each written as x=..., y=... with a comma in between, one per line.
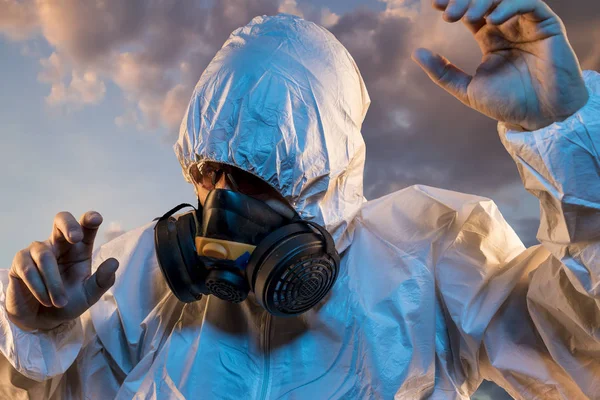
x=104, y=142
x=56, y=158
x=53, y=160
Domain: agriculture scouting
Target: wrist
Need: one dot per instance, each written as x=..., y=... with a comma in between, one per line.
x=576, y=106
x=25, y=327
x=570, y=109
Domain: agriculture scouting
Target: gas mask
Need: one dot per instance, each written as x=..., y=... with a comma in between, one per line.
x=236, y=244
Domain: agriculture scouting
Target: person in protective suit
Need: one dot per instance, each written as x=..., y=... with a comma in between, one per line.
x=433, y=291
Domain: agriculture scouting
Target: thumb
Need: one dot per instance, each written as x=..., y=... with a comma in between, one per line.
x=102, y=280
x=444, y=74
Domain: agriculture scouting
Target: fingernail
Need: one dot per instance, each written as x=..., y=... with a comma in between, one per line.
x=448, y=16
x=60, y=301
x=94, y=218
x=113, y=268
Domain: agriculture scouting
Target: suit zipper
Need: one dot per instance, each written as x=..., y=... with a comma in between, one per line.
x=267, y=354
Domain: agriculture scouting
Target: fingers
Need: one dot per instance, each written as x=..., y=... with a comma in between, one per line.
x=35, y=271
x=456, y=10
x=479, y=9
x=45, y=260
x=499, y=11
x=537, y=10
x=440, y=4
x=24, y=268
x=475, y=16
x=444, y=74
x=102, y=280
x=65, y=232
x=90, y=222
x=471, y=12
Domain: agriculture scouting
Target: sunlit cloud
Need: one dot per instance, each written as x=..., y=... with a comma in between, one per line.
x=290, y=7
x=113, y=231
x=18, y=19
x=154, y=52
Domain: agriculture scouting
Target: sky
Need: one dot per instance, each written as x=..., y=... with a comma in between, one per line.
x=93, y=92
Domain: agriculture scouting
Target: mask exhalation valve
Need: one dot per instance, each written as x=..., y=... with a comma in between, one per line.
x=227, y=285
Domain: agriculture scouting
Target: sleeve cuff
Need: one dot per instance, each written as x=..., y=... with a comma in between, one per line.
x=40, y=355
x=559, y=165
x=592, y=83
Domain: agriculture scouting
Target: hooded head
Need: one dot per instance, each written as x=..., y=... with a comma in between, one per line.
x=284, y=100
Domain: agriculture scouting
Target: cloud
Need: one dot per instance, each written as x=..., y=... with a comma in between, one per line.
x=54, y=69
x=175, y=101
x=320, y=14
x=113, y=231
x=90, y=30
x=328, y=18
x=402, y=8
x=84, y=87
x=415, y=132
x=290, y=7
x=153, y=51
x=588, y=41
x=413, y=125
x=129, y=118
x=18, y=19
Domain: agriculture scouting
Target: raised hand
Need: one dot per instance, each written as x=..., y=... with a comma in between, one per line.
x=50, y=282
x=529, y=76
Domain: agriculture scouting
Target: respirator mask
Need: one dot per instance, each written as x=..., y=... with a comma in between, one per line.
x=235, y=244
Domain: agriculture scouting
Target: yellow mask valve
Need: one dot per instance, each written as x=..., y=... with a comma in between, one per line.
x=222, y=249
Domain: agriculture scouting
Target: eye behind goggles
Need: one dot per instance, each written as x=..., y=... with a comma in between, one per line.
x=236, y=244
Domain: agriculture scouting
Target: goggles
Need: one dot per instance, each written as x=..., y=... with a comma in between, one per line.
x=209, y=173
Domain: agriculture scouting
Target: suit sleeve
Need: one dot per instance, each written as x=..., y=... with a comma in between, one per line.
x=80, y=358
x=529, y=319
x=37, y=355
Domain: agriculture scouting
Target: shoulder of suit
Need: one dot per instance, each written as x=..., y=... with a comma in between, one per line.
x=421, y=199
x=421, y=213
x=141, y=235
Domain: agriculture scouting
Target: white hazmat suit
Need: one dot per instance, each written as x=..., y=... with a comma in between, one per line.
x=435, y=293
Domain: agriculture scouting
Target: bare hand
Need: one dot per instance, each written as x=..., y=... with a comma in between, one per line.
x=50, y=282
x=529, y=75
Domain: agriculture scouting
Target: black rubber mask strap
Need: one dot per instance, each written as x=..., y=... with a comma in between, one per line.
x=329, y=244
x=174, y=210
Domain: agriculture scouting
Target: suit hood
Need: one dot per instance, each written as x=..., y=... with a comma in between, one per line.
x=284, y=100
